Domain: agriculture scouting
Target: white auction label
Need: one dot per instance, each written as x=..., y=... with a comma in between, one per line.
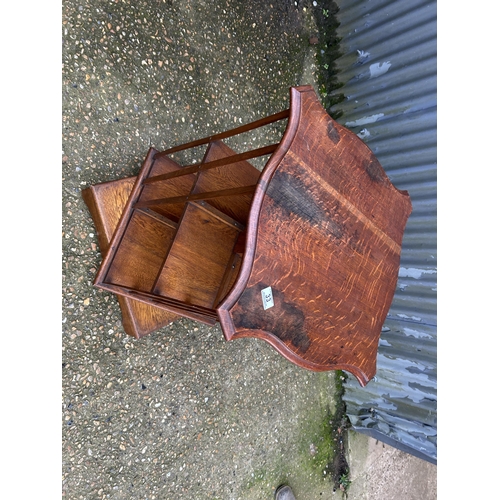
x=267, y=298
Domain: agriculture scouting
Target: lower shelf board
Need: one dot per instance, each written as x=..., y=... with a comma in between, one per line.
x=198, y=258
x=106, y=202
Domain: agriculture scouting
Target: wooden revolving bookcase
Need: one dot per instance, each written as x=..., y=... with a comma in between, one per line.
x=304, y=254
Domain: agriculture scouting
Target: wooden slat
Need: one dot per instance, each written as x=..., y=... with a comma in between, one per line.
x=198, y=196
x=173, y=302
x=204, y=315
x=247, y=155
x=214, y=212
x=242, y=173
x=174, y=187
x=106, y=202
x=229, y=133
x=159, y=217
x=229, y=278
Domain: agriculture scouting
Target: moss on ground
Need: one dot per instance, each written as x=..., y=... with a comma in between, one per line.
x=324, y=441
x=321, y=443
x=328, y=51
x=307, y=460
x=339, y=467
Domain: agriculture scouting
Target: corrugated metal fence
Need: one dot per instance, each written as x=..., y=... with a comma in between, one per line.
x=389, y=70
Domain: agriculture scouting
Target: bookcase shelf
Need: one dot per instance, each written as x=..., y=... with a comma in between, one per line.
x=303, y=254
x=180, y=240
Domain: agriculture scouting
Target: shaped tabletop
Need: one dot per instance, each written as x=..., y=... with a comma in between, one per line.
x=323, y=248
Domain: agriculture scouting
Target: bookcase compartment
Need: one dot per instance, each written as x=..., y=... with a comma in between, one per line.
x=180, y=241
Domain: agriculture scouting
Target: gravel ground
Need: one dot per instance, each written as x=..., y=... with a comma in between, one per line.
x=181, y=413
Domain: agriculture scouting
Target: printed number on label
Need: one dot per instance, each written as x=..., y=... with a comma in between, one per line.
x=267, y=298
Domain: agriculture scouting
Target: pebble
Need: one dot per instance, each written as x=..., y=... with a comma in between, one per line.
x=140, y=74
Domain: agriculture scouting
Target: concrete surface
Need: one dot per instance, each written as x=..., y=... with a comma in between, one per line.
x=182, y=414
x=379, y=471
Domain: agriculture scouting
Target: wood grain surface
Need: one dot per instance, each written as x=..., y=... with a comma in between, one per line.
x=328, y=243
x=198, y=258
x=106, y=202
x=241, y=173
x=308, y=261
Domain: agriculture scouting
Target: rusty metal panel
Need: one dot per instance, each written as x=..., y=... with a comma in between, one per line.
x=388, y=68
